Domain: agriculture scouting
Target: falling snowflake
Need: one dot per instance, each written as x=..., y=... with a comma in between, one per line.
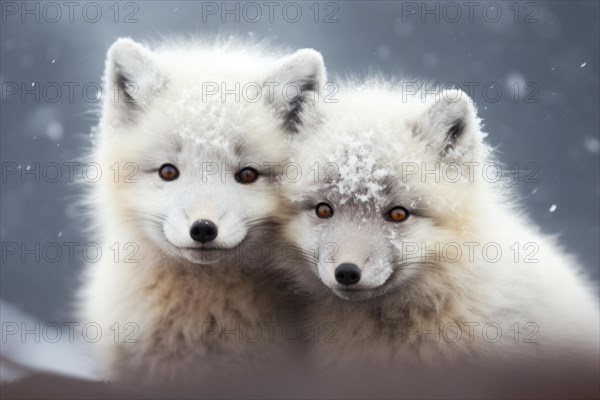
x=592, y=145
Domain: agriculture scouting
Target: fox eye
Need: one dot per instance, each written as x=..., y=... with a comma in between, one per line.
x=324, y=211
x=247, y=175
x=168, y=172
x=398, y=214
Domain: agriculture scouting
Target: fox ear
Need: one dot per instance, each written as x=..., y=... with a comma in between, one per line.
x=132, y=77
x=449, y=125
x=293, y=87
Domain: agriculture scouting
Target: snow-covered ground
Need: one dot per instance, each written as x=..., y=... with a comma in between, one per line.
x=30, y=345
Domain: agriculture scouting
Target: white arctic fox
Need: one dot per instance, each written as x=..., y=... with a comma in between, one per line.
x=423, y=256
x=186, y=202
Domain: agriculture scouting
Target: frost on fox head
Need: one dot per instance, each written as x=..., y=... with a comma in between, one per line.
x=383, y=173
x=203, y=125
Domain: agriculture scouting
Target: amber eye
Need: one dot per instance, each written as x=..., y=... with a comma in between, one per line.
x=398, y=214
x=247, y=175
x=168, y=172
x=324, y=211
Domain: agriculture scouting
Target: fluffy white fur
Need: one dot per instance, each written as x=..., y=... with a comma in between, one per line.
x=410, y=310
x=162, y=288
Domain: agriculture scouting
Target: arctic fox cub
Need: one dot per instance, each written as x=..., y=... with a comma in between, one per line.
x=188, y=145
x=413, y=249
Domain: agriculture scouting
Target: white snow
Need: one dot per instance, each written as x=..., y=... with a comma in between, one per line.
x=66, y=356
x=358, y=172
x=592, y=145
x=214, y=120
x=516, y=82
x=553, y=208
x=55, y=131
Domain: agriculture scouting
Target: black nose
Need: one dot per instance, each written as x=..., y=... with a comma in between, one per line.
x=203, y=231
x=347, y=274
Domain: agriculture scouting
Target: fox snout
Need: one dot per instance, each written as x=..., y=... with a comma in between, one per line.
x=204, y=230
x=347, y=274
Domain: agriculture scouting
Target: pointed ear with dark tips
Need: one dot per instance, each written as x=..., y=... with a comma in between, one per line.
x=294, y=86
x=449, y=126
x=132, y=72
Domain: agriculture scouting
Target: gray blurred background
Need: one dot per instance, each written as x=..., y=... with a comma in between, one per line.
x=548, y=49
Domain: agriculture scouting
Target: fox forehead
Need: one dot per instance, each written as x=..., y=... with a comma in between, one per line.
x=357, y=169
x=212, y=130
